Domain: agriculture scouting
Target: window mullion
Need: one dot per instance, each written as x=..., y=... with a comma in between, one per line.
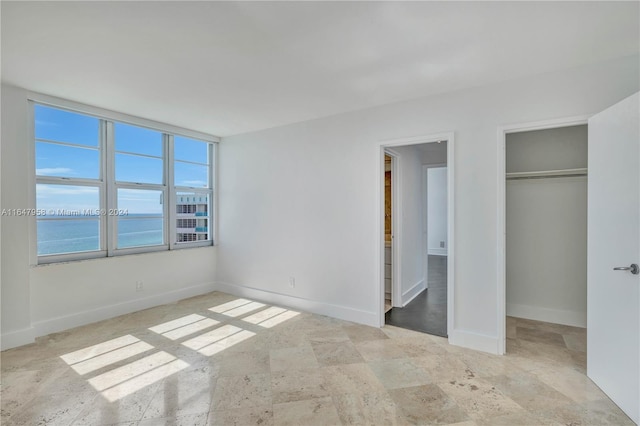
x=104, y=188
x=171, y=196
x=213, y=197
x=111, y=220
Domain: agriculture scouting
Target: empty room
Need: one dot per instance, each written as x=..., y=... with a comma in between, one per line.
x=319, y=213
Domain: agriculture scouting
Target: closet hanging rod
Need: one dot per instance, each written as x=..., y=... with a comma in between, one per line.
x=546, y=174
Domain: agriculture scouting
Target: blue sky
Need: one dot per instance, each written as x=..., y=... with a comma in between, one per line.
x=138, y=159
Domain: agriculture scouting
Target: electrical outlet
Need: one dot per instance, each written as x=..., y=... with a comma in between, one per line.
x=292, y=282
x=441, y=244
x=139, y=286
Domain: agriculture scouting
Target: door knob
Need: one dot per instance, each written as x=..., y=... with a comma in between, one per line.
x=633, y=269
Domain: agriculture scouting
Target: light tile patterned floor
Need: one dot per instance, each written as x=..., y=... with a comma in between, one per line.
x=218, y=360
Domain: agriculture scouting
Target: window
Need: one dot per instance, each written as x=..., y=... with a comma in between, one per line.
x=105, y=187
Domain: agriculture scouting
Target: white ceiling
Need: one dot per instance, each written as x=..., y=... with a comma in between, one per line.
x=232, y=67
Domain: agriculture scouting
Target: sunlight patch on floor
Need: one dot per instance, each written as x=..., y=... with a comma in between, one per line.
x=218, y=340
x=176, y=323
x=99, y=349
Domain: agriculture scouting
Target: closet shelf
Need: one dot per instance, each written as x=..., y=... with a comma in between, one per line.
x=547, y=174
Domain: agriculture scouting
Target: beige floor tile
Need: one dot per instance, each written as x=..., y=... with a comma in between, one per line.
x=376, y=350
x=286, y=339
x=522, y=418
x=297, y=358
x=397, y=332
x=399, y=373
x=602, y=412
x=547, y=326
x=199, y=419
x=443, y=368
x=248, y=362
x=366, y=409
x=571, y=383
x=480, y=399
x=575, y=342
x=329, y=335
x=296, y=385
x=417, y=346
x=351, y=379
x=528, y=391
x=336, y=353
x=535, y=356
x=128, y=408
x=486, y=365
x=536, y=335
x=320, y=411
x=251, y=390
x=303, y=363
x=259, y=416
x=187, y=392
x=52, y=409
x=361, y=333
x=426, y=404
x=511, y=328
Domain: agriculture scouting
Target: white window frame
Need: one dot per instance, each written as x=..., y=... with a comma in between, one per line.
x=108, y=186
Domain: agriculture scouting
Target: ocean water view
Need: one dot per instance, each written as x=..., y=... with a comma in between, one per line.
x=75, y=235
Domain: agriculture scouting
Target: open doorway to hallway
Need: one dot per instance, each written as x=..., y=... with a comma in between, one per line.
x=417, y=251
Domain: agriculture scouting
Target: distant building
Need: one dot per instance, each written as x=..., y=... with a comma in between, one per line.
x=192, y=213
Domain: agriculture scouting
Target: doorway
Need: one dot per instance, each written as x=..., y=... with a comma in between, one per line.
x=417, y=273
x=543, y=273
x=388, y=231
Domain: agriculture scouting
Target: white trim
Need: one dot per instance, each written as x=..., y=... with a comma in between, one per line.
x=437, y=251
x=117, y=116
x=396, y=228
x=414, y=140
x=547, y=173
x=413, y=292
x=435, y=165
x=31, y=190
x=424, y=193
x=66, y=322
x=451, y=282
x=556, y=316
x=13, y=339
x=501, y=227
x=473, y=340
x=308, y=305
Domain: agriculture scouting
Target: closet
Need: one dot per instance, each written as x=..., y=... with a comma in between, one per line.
x=546, y=225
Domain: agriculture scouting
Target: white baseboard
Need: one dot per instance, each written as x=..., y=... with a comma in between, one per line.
x=437, y=251
x=17, y=338
x=556, y=316
x=410, y=294
x=66, y=322
x=473, y=340
x=336, y=311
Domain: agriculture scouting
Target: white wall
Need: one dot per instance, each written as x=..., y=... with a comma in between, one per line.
x=546, y=272
x=39, y=300
x=546, y=220
x=411, y=225
x=437, y=210
x=531, y=151
x=304, y=200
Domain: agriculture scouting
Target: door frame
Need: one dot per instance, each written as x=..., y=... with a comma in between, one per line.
x=396, y=212
x=501, y=270
x=396, y=273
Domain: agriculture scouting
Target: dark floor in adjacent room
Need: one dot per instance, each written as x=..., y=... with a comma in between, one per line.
x=428, y=311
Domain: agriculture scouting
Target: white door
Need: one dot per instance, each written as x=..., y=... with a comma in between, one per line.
x=613, y=296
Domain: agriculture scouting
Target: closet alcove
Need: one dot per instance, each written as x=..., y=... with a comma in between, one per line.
x=546, y=225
